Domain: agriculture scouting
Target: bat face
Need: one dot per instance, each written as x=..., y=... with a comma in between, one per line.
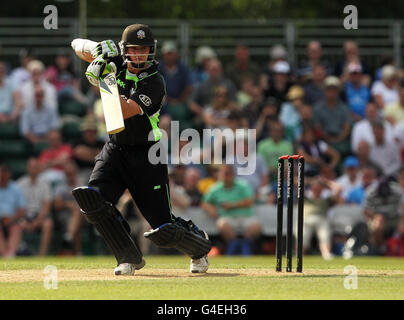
x=111, y=104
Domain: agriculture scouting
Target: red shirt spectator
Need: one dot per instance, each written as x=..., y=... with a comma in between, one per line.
x=395, y=245
x=58, y=153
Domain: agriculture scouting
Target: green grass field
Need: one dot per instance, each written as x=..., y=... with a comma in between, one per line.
x=167, y=277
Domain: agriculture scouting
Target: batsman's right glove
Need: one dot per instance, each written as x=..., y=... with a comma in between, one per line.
x=105, y=49
x=98, y=68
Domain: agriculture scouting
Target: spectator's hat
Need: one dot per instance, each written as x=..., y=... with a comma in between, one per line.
x=278, y=52
x=351, y=162
x=354, y=68
x=295, y=92
x=35, y=65
x=332, y=81
x=281, y=67
x=89, y=123
x=169, y=46
x=388, y=72
x=203, y=53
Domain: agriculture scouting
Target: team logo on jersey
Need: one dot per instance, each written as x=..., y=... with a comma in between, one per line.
x=140, y=34
x=132, y=91
x=120, y=83
x=145, y=99
x=142, y=75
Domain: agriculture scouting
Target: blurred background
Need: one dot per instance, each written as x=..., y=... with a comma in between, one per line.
x=288, y=69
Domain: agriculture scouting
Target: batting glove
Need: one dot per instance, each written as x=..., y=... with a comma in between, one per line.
x=98, y=68
x=105, y=49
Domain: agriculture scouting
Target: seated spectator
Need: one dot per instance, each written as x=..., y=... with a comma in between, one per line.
x=37, y=193
x=68, y=217
x=314, y=89
x=21, y=74
x=385, y=154
x=273, y=147
x=27, y=90
x=203, y=95
x=280, y=84
x=38, y=119
x=87, y=148
x=290, y=112
x=176, y=75
x=316, y=206
x=9, y=111
x=332, y=117
x=314, y=58
x=242, y=66
x=247, y=89
x=317, y=153
x=363, y=131
x=245, y=158
x=215, y=115
x=276, y=53
x=383, y=210
x=357, y=94
x=351, y=179
x=12, y=210
x=351, y=55
x=230, y=202
x=385, y=91
x=254, y=107
x=395, y=244
x=55, y=157
x=191, y=179
x=268, y=114
x=203, y=55
x=211, y=178
x=179, y=199
x=363, y=155
x=394, y=112
x=357, y=195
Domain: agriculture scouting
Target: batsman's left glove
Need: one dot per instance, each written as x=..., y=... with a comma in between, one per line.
x=97, y=68
x=105, y=49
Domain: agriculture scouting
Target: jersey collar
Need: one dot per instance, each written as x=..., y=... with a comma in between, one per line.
x=143, y=74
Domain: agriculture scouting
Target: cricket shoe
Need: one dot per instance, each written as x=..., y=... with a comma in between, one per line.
x=128, y=269
x=200, y=265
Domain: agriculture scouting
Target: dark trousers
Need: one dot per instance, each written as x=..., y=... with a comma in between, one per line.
x=119, y=168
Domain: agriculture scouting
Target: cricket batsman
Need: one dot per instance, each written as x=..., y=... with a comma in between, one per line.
x=123, y=162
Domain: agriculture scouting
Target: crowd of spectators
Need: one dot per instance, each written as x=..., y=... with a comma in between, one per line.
x=346, y=119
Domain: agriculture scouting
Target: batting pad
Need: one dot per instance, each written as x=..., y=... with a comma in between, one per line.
x=183, y=236
x=110, y=224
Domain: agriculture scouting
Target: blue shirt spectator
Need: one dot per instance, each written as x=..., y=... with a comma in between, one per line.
x=357, y=98
x=11, y=199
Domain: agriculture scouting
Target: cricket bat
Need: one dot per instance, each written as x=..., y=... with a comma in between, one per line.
x=111, y=103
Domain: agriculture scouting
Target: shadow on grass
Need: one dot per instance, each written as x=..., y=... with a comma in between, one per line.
x=189, y=275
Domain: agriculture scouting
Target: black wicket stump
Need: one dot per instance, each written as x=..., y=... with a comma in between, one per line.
x=289, y=222
x=300, y=206
x=279, y=230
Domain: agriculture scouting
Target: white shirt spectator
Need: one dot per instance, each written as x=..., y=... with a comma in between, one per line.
x=386, y=157
x=27, y=94
x=6, y=97
x=347, y=185
x=35, y=194
x=39, y=121
x=388, y=95
x=19, y=76
x=362, y=131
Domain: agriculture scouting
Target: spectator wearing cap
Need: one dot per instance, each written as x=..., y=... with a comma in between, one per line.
x=27, y=90
x=394, y=112
x=351, y=55
x=280, y=84
x=203, y=55
x=276, y=53
x=176, y=75
x=12, y=210
x=37, y=193
x=87, y=147
x=362, y=130
x=204, y=93
x=385, y=154
x=314, y=89
x=385, y=91
x=332, y=117
x=9, y=110
x=39, y=119
x=242, y=66
x=290, y=112
x=357, y=94
x=351, y=178
x=314, y=57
